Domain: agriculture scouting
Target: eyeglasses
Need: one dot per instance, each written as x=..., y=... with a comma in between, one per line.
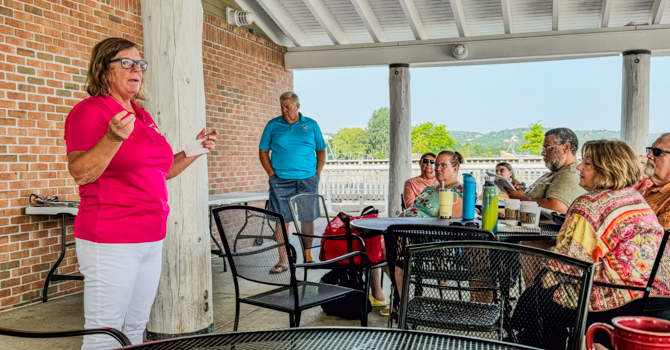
x=128, y=63
x=426, y=161
x=546, y=149
x=656, y=151
x=442, y=165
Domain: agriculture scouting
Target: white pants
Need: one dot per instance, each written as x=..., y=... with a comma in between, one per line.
x=120, y=284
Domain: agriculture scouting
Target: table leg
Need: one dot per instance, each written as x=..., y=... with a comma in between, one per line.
x=52, y=276
x=218, y=251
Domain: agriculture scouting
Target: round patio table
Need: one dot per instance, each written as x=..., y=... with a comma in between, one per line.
x=505, y=233
x=329, y=338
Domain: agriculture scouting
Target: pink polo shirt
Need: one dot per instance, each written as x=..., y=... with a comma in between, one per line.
x=128, y=202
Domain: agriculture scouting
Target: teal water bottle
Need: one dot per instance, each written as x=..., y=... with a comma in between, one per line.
x=469, y=196
x=490, y=206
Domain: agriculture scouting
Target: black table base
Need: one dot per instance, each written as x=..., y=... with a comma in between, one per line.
x=52, y=276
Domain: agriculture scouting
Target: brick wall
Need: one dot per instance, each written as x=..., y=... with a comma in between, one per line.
x=244, y=76
x=44, y=52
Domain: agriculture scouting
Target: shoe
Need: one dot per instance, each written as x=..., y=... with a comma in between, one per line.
x=385, y=312
x=278, y=269
x=376, y=302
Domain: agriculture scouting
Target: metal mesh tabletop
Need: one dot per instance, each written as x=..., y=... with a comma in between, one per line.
x=331, y=339
x=505, y=233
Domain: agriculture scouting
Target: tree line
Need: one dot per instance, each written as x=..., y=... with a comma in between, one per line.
x=426, y=137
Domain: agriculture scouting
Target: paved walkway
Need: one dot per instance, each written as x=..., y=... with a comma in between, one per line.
x=67, y=312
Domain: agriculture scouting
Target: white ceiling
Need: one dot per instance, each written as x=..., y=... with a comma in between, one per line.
x=305, y=23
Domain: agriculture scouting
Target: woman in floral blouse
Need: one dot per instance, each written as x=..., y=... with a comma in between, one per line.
x=612, y=227
x=427, y=204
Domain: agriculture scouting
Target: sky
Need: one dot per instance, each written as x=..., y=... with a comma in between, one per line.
x=580, y=94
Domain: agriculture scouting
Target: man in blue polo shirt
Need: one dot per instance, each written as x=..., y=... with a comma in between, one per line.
x=293, y=168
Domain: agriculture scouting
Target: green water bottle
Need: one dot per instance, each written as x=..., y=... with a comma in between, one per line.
x=490, y=206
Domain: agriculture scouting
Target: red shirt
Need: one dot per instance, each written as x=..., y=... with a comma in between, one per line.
x=128, y=202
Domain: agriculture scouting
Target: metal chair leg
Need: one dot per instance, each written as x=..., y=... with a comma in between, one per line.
x=237, y=315
x=297, y=318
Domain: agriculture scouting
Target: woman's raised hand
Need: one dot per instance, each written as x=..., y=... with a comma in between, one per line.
x=121, y=126
x=210, y=139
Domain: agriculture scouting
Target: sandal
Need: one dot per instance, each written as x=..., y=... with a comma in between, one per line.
x=385, y=312
x=375, y=302
x=279, y=268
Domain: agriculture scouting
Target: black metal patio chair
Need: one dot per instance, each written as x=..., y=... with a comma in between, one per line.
x=241, y=230
x=534, y=318
x=398, y=237
x=306, y=208
x=118, y=335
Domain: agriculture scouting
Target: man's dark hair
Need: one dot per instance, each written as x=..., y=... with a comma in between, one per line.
x=565, y=135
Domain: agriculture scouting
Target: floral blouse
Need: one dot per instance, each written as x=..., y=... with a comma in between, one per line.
x=427, y=204
x=618, y=232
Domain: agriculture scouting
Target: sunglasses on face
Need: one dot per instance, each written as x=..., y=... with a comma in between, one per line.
x=428, y=161
x=128, y=63
x=442, y=165
x=656, y=151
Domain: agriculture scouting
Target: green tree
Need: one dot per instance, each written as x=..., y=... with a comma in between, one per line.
x=350, y=140
x=378, y=133
x=534, y=137
x=431, y=137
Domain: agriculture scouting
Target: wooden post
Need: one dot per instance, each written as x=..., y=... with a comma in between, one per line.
x=635, y=100
x=400, y=157
x=176, y=100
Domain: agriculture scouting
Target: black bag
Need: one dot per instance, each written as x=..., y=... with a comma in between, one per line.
x=348, y=307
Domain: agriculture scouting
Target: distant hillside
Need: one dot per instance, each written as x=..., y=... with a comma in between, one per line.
x=497, y=138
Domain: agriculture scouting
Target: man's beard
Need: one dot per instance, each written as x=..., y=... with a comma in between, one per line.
x=649, y=168
x=553, y=163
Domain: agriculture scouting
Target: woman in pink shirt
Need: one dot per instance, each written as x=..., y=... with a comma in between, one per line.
x=415, y=185
x=121, y=162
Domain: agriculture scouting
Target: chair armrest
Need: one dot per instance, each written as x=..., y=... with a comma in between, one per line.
x=346, y=237
x=364, y=257
x=306, y=235
x=119, y=336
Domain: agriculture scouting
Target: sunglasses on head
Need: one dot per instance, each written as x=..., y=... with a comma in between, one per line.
x=426, y=161
x=656, y=151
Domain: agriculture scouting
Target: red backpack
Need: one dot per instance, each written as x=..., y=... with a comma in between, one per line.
x=340, y=226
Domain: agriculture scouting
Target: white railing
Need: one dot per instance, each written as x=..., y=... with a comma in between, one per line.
x=367, y=180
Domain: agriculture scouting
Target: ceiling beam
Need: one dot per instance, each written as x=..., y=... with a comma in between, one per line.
x=413, y=19
x=263, y=21
x=554, y=16
x=370, y=20
x=327, y=21
x=507, y=15
x=657, y=10
x=459, y=17
x=605, y=12
x=507, y=48
x=283, y=19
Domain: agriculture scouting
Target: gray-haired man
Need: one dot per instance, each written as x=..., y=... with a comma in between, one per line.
x=557, y=189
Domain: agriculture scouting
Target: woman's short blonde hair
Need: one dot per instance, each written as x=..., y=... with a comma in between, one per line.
x=103, y=52
x=615, y=163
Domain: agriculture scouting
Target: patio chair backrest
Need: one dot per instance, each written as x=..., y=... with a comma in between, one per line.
x=522, y=310
x=306, y=208
x=252, y=245
x=398, y=237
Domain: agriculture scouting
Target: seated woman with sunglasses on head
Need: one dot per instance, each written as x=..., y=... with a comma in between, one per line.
x=427, y=204
x=415, y=185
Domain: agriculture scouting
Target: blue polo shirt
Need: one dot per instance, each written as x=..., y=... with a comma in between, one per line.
x=293, y=146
